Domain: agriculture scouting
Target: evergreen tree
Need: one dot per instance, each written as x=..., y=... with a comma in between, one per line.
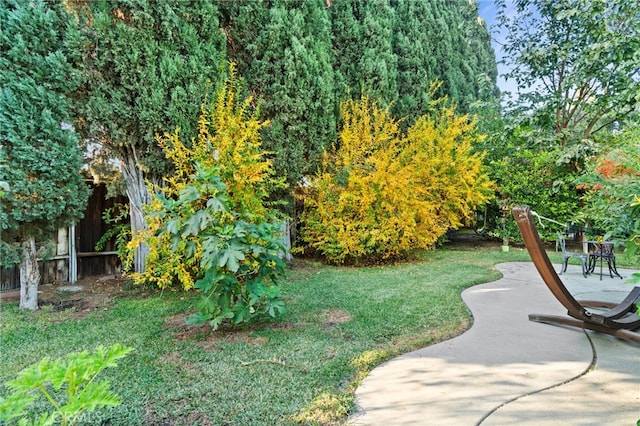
x=481, y=55
x=394, y=51
x=149, y=67
x=40, y=152
x=379, y=64
x=243, y=23
x=345, y=37
x=363, y=43
x=462, y=48
x=290, y=73
x=413, y=44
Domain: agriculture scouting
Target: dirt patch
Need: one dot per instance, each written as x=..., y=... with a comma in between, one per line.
x=88, y=295
x=334, y=317
x=207, y=338
x=468, y=239
x=183, y=332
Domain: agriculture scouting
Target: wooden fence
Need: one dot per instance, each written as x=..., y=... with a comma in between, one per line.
x=76, y=256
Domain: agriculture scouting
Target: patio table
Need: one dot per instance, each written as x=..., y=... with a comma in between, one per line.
x=603, y=250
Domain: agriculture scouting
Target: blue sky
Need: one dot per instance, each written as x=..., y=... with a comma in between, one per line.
x=487, y=11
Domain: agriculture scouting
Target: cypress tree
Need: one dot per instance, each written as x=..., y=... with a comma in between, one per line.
x=442, y=40
x=291, y=74
x=379, y=64
x=345, y=37
x=149, y=66
x=417, y=64
x=363, y=42
x=243, y=23
x=39, y=147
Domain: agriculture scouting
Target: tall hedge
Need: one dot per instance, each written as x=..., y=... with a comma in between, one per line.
x=302, y=58
x=39, y=147
x=283, y=50
x=148, y=68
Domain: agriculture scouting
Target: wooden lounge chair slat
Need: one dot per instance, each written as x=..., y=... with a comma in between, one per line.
x=618, y=320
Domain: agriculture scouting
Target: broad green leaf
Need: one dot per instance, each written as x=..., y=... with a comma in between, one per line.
x=173, y=226
x=15, y=405
x=231, y=259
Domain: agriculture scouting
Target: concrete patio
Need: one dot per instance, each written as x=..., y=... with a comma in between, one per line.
x=507, y=370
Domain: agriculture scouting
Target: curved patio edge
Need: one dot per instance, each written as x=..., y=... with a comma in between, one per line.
x=495, y=372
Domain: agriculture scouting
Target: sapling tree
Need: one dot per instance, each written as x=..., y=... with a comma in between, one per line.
x=210, y=226
x=40, y=151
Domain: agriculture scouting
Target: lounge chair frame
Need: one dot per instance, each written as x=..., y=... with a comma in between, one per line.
x=618, y=320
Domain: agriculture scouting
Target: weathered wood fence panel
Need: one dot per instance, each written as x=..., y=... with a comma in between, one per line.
x=87, y=233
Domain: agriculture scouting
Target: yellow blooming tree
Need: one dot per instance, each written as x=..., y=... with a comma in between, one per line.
x=209, y=226
x=382, y=192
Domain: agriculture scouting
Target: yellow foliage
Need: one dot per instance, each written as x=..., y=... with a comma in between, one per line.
x=382, y=193
x=326, y=409
x=228, y=139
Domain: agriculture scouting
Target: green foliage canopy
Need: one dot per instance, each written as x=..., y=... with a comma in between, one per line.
x=39, y=147
x=288, y=66
x=612, y=185
x=575, y=62
x=576, y=65
x=148, y=66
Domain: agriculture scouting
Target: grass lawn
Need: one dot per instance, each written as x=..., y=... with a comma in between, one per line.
x=304, y=368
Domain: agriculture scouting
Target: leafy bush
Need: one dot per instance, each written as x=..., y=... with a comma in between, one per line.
x=527, y=170
x=612, y=184
x=382, y=193
x=611, y=181
x=209, y=226
x=120, y=230
x=69, y=385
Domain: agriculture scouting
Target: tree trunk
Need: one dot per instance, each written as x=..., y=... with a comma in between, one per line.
x=29, y=275
x=139, y=195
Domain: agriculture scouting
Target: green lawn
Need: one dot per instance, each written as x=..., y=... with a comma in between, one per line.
x=304, y=368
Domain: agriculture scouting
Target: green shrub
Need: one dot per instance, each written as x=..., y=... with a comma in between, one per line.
x=239, y=260
x=69, y=385
x=612, y=198
x=209, y=226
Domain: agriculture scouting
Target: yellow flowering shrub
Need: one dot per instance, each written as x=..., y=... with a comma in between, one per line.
x=227, y=149
x=382, y=192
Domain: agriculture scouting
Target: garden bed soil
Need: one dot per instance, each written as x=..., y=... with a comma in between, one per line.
x=88, y=295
